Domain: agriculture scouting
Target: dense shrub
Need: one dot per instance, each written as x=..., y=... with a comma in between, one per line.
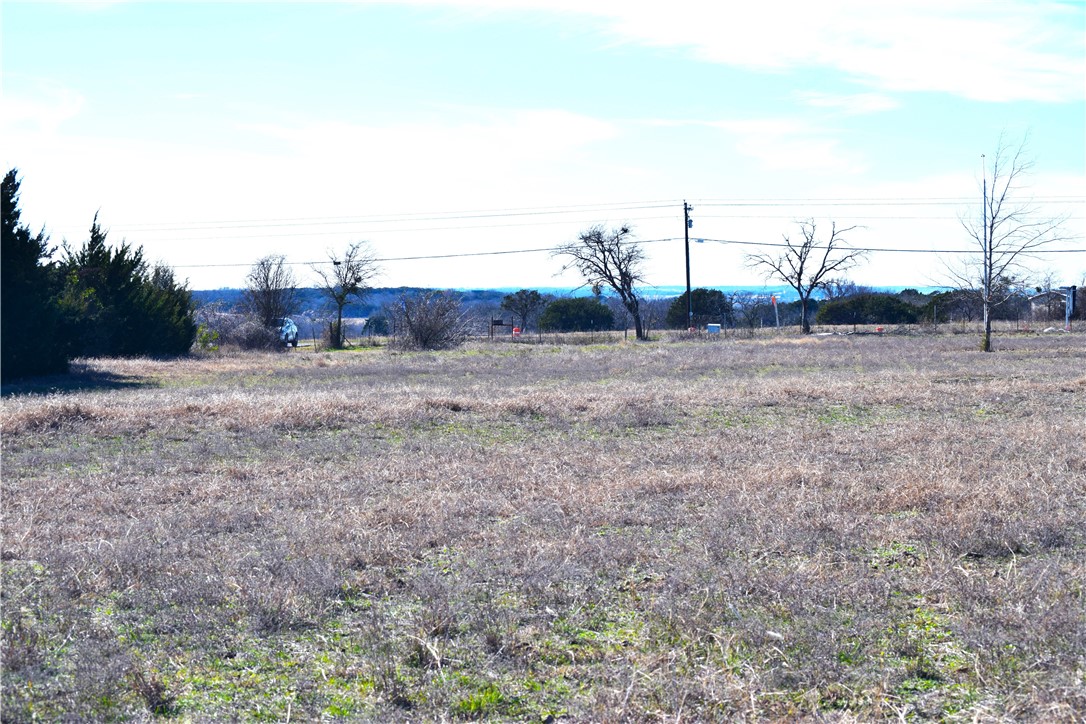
x=867, y=309
x=576, y=314
x=251, y=334
x=710, y=306
x=219, y=328
x=429, y=320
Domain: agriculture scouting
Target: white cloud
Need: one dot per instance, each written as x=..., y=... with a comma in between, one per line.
x=476, y=150
x=41, y=111
x=478, y=134
x=980, y=50
x=788, y=145
x=780, y=144
x=850, y=105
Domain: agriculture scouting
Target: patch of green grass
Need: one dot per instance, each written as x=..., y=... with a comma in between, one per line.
x=482, y=433
x=895, y=555
x=843, y=415
x=489, y=700
x=935, y=664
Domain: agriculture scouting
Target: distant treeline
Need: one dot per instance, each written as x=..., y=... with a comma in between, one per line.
x=314, y=302
x=841, y=304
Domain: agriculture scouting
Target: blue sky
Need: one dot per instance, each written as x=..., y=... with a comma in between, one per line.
x=216, y=133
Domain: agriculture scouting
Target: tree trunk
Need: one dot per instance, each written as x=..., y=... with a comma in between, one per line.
x=804, y=322
x=986, y=339
x=632, y=305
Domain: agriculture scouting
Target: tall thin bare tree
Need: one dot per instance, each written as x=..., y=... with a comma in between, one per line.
x=344, y=276
x=1007, y=234
x=610, y=259
x=271, y=290
x=807, y=265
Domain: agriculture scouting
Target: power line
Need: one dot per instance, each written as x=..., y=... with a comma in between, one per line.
x=406, y=216
x=509, y=251
x=362, y=232
x=889, y=250
x=889, y=201
x=851, y=217
x=422, y=216
x=469, y=227
x=423, y=257
x=551, y=249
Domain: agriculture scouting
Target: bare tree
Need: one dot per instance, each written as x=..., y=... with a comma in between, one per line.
x=271, y=290
x=653, y=312
x=609, y=259
x=807, y=265
x=526, y=304
x=1047, y=283
x=842, y=288
x=1008, y=232
x=345, y=276
x=748, y=310
x=621, y=315
x=430, y=320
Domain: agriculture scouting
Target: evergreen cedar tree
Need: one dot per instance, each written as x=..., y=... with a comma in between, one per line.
x=868, y=309
x=29, y=319
x=118, y=306
x=97, y=301
x=577, y=314
x=711, y=306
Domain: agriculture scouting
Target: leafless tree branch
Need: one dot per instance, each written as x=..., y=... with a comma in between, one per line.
x=609, y=259
x=345, y=276
x=1010, y=230
x=806, y=265
x=271, y=290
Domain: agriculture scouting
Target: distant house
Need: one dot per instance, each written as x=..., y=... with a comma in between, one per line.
x=1047, y=305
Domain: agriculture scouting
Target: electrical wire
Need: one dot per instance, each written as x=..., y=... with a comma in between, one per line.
x=367, y=232
x=554, y=249
x=415, y=219
x=578, y=209
x=407, y=216
x=851, y=217
x=504, y=252
x=885, y=249
x=919, y=201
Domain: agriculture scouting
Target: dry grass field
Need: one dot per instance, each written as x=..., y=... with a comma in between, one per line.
x=840, y=528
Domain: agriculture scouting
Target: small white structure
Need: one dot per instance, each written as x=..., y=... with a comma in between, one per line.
x=1047, y=305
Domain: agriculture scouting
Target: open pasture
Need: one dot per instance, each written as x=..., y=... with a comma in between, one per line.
x=868, y=527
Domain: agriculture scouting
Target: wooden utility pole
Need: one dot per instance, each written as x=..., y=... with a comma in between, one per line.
x=687, y=223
